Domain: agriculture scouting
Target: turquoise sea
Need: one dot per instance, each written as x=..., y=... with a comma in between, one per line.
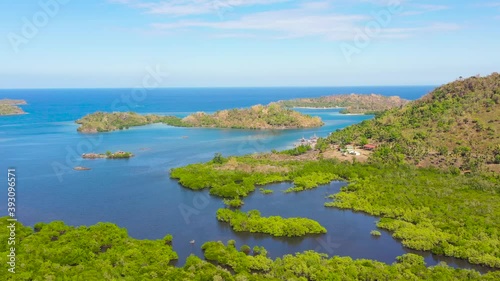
x=137, y=194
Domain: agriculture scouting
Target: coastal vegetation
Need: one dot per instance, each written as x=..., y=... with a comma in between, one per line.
x=277, y=226
x=266, y=191
x=272, y=116
x=350, y=104
x=104, y=251
x=238, y=176
x=299, y=150
x=55, y=251
x=234, y=203
x=311, y=265
x=10, y=107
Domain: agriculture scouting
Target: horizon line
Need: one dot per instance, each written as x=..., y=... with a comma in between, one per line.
x=210, y=87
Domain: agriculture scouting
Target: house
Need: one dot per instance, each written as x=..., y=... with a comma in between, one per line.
x=369, y=146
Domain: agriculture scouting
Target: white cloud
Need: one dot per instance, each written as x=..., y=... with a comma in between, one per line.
x=419, y=9
x=193, y=7
x=409, y=31
x=320, y=18
x=282, y=24
x=492, y=4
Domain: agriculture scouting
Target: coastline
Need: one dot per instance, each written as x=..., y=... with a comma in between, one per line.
x=14, y=114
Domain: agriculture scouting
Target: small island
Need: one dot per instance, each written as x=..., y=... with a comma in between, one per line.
x=274, y=225
x=350, y=104
x=108, y=155
x=258, y=117
x=10, y=107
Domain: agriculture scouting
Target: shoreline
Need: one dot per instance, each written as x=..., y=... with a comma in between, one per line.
x=14, y=114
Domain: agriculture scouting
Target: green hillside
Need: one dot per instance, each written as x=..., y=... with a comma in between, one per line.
x=456, y=126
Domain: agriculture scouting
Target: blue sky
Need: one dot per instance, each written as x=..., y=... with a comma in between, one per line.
x=112, y=43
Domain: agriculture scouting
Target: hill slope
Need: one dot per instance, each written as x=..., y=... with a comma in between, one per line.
x=456, y=125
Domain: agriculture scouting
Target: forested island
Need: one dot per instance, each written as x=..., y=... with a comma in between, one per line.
x=350, y=104
x=272, y=116
x=10, y=107
x=277, y=226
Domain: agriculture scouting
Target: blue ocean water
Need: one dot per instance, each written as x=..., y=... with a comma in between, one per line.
x=44, y=146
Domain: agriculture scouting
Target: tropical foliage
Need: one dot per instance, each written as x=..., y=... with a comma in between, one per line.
x=234, y=203
x=266, y=191
x=56, y=251
x=310, y=265
x=299, y=150
x=274, y=225
x=430, y=210
x=238, y=176
x=104, y=251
